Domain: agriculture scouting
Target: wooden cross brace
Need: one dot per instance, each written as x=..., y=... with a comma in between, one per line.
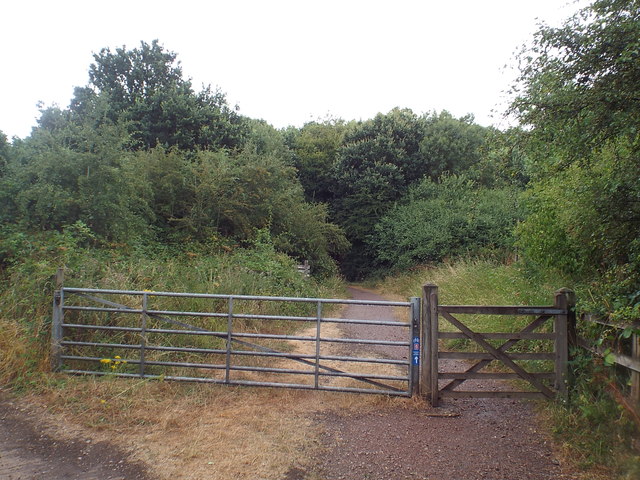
x=498, y=353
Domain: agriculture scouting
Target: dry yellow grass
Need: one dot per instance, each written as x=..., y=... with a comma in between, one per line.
x=11, y=351
x=14, y=352
x=186, y=431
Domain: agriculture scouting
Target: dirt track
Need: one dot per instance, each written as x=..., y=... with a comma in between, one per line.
x=29, y=452
x=462, y=440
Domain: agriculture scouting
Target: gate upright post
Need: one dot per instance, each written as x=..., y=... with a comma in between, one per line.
x=143, y=333
x=565, y=300
x=635, y=376
x=318, y=331
x=227, y=371
x=415, y=347
x=429, y=344
x=56, y=322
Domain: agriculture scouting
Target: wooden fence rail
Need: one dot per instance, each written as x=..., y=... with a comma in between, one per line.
x=631, y=363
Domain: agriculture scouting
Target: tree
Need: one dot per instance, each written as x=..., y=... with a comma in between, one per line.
x=504, y=160
x=579, y=93
x=7, y=184
x=391, y=139
x=63, y=173
x=316, y=147
x=579, y=85
x=377, y=161
x=4, y=152
x=128, y=77
x=169, y=177
x=139, y=157
x=263, y=139
x=144, y=88
x=451, y=145
x=380, y=159
x=237, y=195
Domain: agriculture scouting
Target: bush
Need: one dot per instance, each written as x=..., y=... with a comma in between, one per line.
x=446, y=220
x=594, y=427
x=584, y=222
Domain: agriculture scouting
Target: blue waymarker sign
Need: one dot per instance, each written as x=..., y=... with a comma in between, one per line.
x=415, y=353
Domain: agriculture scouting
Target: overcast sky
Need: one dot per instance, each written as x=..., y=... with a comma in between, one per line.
x=285, y=61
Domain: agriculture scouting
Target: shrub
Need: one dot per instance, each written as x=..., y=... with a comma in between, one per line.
x=446, y=220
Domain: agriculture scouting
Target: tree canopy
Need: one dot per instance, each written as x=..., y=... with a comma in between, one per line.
x=579, y=92
x=381, y=158
x=579, y=84
x=145, y=88
x=138, y=157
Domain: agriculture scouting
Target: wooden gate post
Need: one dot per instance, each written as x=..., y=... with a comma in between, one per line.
x=563, y=324
x=56, y=322
x=429, y=344
x=635, y=376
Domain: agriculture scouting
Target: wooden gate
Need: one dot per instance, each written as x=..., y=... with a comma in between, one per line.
x=546, y=352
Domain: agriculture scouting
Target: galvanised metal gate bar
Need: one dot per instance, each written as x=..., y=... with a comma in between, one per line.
x=96, y=335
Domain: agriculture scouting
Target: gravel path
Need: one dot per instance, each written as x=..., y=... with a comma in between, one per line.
x=464, y=439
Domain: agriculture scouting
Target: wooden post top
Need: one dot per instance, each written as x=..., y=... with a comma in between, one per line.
x=60, y=278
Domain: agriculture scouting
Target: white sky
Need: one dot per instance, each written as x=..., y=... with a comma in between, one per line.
x=285, y=61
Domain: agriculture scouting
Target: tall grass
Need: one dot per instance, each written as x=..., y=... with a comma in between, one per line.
x=27, y=284
x=475, y=282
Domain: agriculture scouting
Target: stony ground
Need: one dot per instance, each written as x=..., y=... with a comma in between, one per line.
x=468, y=439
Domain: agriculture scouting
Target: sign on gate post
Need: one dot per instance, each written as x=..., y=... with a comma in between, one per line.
x=415, y=353
x=415, y=346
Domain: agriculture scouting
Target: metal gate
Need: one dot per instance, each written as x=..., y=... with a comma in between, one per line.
x=233, y=339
